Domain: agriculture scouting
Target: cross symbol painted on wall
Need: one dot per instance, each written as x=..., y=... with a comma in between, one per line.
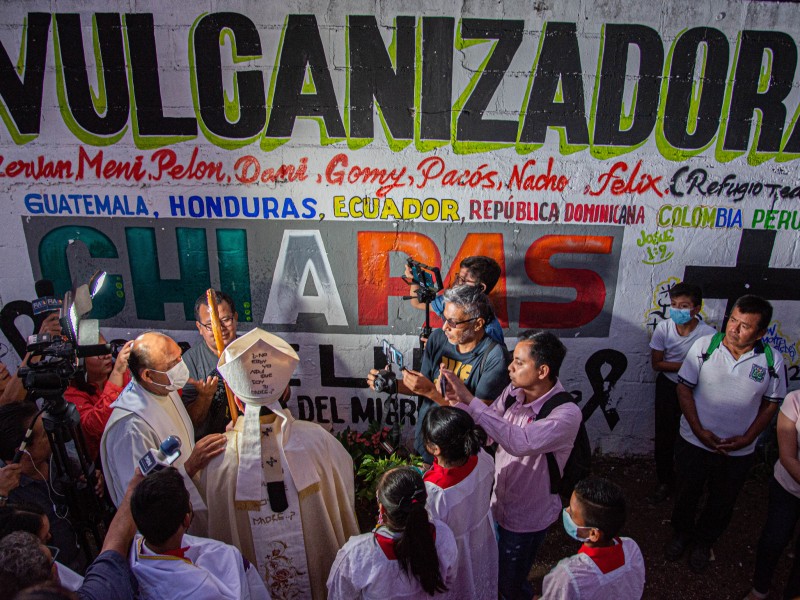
x=271, y=462
x=751, y=274
x=267, y=431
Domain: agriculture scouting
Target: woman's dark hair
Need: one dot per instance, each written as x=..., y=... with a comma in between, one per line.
x=80, y=382
x=454, y=431
x=20, y=517
x=402, y=493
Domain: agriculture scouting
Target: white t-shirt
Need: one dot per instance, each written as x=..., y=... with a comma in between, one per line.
x=791, y=410
x=674, y=345
x=598, y=573
x=728, y=392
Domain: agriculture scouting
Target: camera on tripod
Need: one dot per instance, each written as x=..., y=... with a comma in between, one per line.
x=386, y=379
x=53, y=361
x=429, y=280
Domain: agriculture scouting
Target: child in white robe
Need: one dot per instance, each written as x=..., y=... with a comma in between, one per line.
x=398, y=560
x=459, y=488
x=168, y=563
x=606, y=566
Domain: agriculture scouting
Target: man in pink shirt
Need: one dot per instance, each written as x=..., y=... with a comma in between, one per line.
x=523, y=504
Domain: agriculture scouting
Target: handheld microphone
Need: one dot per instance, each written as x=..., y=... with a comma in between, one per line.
x=21, y=450
x=166, y=454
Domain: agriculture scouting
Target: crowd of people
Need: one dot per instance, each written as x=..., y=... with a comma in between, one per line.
x=261, y=505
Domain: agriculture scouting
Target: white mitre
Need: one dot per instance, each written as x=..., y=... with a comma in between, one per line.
x=257, y=367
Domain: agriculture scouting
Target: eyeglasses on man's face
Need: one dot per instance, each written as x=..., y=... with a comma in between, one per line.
x=224, y=321
x=452, y=323
x=459, y=280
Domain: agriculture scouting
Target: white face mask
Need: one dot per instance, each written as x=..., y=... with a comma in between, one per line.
x=178, y=377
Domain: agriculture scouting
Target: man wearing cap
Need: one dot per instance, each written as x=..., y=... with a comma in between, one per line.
x=148, y=411
x=283, y=492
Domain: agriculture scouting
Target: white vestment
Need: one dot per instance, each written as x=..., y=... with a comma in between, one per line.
x=615, y=571
x=322, y=478
x=140, y=421
x=460, y=497
x=364, y=569
x=209, y=570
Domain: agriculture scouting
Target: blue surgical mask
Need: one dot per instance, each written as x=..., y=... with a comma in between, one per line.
x=570, y=526
x=680, y=316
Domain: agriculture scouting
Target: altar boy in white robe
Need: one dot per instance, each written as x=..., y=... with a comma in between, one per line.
x=168, y=563
x=283, y=492
x=459, y=486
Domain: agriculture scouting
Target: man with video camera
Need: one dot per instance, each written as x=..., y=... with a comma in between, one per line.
x=463, y=346
x=480, y=271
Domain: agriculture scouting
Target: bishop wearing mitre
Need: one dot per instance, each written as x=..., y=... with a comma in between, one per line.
x=283, y=491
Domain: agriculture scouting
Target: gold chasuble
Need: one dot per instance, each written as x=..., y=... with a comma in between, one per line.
x=283, y=490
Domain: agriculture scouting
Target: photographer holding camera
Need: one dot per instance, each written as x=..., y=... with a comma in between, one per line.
x=462, y=346
x=93, y=391
x=482, y=272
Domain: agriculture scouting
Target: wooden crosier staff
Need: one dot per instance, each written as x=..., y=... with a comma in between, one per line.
x=216, y=327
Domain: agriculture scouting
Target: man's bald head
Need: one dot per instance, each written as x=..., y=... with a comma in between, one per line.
x=153, y=351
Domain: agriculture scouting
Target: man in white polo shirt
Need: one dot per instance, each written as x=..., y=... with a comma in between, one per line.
x=730, y=388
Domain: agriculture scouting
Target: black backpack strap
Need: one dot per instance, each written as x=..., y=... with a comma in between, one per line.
x=553, y=403
x=552, y=464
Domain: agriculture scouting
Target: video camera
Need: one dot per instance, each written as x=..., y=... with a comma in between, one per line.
x=386, y=379
x=54, y=360
x=429, y=283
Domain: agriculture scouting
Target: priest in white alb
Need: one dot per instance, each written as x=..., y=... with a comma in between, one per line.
x=283, y=491
x=148, y=411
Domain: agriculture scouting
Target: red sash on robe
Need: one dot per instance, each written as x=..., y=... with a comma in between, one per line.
x=445, y=478
x=607, y=558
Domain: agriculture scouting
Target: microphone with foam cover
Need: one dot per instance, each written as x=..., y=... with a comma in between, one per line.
x=44, y=288
x=45, y=303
